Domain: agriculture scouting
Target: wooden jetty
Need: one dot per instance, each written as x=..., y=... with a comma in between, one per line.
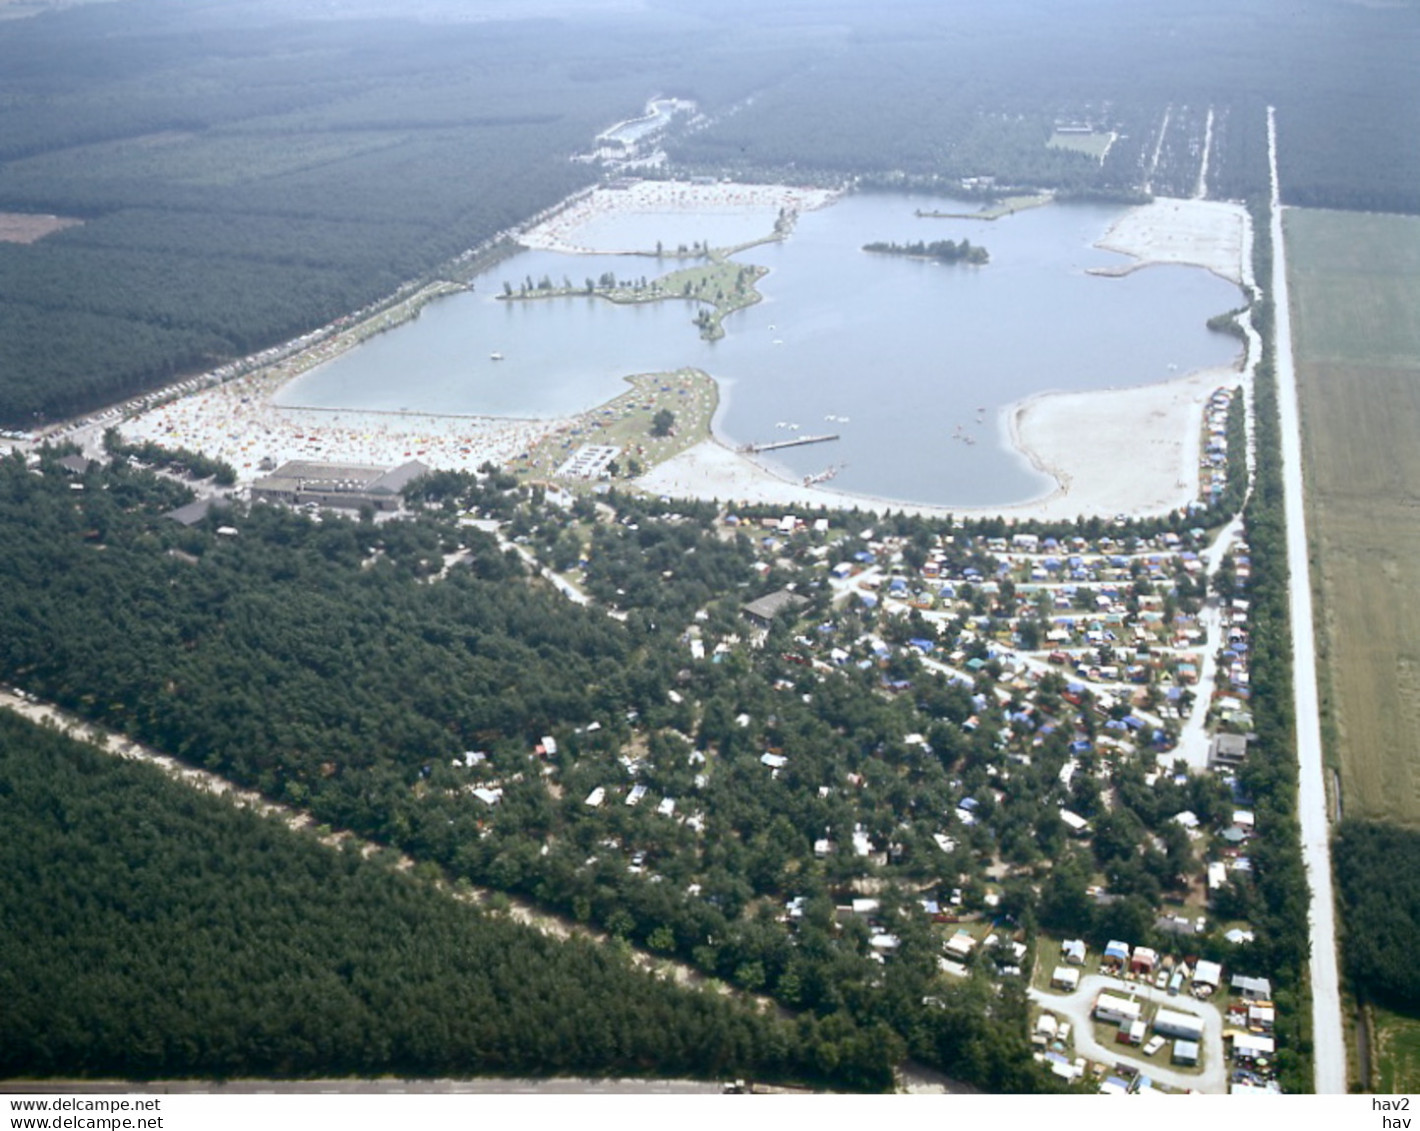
x=775, y=445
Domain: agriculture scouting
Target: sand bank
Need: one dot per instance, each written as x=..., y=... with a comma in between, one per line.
x=1113, y=451
x=238, y=423
x=1109, y=452
x=560, y=232
x=1200, y=233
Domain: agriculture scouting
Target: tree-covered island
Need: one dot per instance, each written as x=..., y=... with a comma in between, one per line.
x=719, y=286
x=942, y=251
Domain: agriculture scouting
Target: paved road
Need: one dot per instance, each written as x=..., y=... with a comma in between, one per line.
x=1076, y=1008
x=1329, y=1046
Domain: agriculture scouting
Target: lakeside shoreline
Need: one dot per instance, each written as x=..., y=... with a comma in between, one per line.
x=1152, y=429
x=1155, y=430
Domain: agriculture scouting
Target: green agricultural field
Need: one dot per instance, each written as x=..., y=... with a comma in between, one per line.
x=1395, y=1043
x=1355, y=283
x=1355, y=286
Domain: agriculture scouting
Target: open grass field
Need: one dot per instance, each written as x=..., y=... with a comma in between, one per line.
x=626, y=422
x=1355, y=284
x=1396, y=1044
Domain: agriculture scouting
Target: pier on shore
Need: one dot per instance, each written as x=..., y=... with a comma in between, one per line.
x=797, y=441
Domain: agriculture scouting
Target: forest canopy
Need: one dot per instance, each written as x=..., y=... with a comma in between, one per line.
x=246, y=172
x=1378, y=877
x=109, y=872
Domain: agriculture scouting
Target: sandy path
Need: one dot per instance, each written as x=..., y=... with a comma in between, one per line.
x=557, y=926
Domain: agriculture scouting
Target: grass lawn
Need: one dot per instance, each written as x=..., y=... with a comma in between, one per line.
x=1006, y=206
x=1396, y=1044
x=627, y=423
x=1355, y=282
x=717, y=286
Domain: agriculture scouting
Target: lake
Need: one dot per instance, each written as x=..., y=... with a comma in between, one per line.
x=910, y=362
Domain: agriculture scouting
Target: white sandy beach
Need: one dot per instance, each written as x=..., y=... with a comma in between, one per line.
x=238, y=423
x=1211, y=234
x=1111, y=451
x=561, y=232
x=1141, y=458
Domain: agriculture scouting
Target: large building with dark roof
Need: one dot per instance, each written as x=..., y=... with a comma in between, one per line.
x=763, y=611
x=337, y=485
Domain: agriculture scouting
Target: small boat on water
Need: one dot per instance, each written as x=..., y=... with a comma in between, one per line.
x=823, y=476
x=495, y=356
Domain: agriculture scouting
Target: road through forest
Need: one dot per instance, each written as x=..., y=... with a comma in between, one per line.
x=1328, y=1043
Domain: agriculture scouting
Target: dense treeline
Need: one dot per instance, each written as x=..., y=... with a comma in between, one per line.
x=1270, y=773
x=245, y=175
x=1378, y=888
x=178, y=460
x=942, y=251
x=153, y=930
x=324, y=664
x=931, y=93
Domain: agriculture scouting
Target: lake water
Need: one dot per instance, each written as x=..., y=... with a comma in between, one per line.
x=900, y=357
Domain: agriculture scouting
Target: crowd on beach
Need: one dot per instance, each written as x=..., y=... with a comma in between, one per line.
x=236, y=423
x=1159, y=425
